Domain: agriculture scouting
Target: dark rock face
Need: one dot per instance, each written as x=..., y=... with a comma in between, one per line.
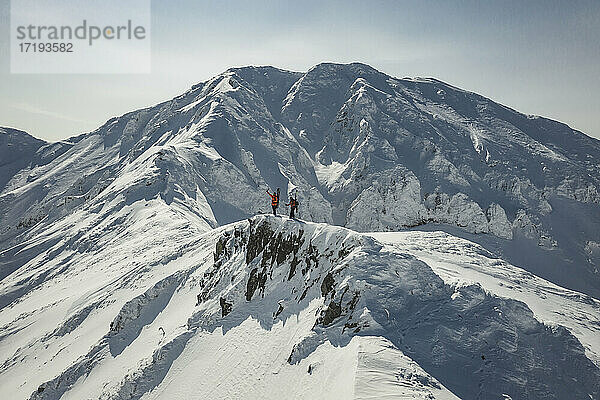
x=337, y=306
x=333, y=311
x=220, y=247
x=256, y=280
x=327, y=285
x=226, y=307
x=257, y=241
x=275, y=250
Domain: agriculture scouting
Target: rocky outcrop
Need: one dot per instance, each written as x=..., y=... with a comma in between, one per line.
x=392, y=202
x=498, y=223
x=456, y=210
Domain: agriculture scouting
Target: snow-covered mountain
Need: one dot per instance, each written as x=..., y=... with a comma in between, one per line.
x=364, y=150
x=124, y=273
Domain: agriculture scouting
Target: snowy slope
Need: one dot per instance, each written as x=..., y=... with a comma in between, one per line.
x=461, y=263
x=270, y=306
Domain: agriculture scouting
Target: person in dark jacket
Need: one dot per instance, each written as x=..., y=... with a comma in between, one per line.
x=293, y=205
x=274, y=200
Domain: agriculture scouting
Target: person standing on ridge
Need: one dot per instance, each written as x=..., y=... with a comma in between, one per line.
x=293, y=205
x=274, y=200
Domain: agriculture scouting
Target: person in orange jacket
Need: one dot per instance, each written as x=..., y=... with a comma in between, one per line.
x=293, y=205
x=274, y=200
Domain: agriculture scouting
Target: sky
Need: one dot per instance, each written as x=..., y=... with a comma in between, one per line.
x=538, y=57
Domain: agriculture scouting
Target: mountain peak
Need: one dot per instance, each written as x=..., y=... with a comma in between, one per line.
x=354, y=67
x=262, y=69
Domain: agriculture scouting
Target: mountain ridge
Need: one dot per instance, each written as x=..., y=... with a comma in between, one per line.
x=316, y=290
x=453, y=161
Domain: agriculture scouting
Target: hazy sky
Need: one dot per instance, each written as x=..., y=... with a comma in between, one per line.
x=539, y=57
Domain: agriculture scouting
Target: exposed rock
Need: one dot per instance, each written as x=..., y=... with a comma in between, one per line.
x=256, y=280
x=226, y=307
x=327, y=285
x=393, y=201
x=499, y=224
x=456, y=210
x=330, y=313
